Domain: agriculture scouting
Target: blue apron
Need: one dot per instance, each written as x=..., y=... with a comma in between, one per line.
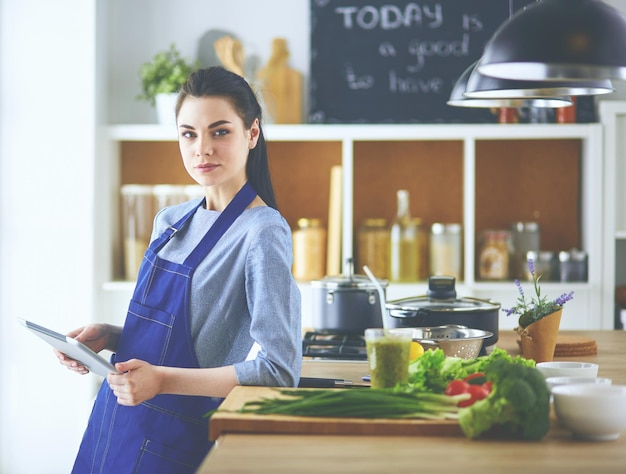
x=167, y=434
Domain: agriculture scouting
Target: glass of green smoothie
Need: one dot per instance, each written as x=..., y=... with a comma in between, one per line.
x=387, y=356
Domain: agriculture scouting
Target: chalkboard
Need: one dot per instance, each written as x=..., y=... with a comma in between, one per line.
x=396, y=61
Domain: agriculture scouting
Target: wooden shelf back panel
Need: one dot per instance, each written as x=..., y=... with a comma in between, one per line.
x=531, y=180
x=432, y=172
x=152, y=163
x=301, y=177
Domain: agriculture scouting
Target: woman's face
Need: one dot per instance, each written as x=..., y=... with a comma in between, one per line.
x=213, y=142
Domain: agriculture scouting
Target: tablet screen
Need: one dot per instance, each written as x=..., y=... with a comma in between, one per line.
x=72, y=348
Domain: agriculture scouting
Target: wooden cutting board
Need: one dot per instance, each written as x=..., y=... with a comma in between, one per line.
x=227, y=420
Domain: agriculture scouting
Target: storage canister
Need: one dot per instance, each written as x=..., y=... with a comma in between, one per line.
x=137, y=217
x=493, y=261
x=166, y=195
x=373, y=246
x=546, y=264
x=573, y=265
x=446, y=250
x=309, y=249
x=194, y=191
x=525, y=237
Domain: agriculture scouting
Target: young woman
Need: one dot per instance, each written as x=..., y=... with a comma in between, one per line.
x=214, y=289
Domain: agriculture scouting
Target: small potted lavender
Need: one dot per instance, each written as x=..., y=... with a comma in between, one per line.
x=538, y=319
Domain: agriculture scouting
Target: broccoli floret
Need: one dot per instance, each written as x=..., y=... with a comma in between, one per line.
x=519, y=403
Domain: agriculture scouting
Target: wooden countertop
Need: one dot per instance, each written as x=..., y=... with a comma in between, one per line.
x=304, y=453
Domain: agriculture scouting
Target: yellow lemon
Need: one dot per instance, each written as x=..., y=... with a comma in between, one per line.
x=416, y=350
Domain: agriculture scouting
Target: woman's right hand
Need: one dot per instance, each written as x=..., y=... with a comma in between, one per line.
x=95, y=336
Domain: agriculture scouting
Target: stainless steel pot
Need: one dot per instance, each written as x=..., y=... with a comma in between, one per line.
x=440, y=306
x=346, y=304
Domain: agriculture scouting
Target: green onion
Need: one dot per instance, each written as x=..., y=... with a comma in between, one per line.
x=358, y=403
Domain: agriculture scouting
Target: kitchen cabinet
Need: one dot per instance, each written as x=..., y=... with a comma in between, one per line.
x=483, y=176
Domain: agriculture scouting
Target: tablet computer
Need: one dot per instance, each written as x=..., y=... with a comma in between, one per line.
x=72, y=348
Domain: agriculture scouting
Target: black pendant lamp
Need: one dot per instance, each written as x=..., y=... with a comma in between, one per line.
x=480, y=86
x=559, y=40
x=458, y=97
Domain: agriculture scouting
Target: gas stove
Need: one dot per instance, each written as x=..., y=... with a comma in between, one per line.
x=334, y=346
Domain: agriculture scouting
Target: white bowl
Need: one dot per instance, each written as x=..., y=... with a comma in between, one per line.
x=555, y=381
x=568, y=369
x=591, y=411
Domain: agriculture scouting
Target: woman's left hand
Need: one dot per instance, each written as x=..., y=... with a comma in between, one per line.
x=137, y=382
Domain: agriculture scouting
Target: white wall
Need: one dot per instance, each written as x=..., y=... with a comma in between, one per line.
x=46, y=119
x=47, y=204
x=255, y=23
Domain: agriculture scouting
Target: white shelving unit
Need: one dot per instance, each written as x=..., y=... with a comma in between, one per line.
x=591, y=308
x=613, y=118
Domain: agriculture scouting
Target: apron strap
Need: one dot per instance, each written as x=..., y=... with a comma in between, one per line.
x=239, y=203
x=168, y=233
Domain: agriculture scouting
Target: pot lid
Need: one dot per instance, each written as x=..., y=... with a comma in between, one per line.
x=349, y=281
x=441, y=297
x=429, y=304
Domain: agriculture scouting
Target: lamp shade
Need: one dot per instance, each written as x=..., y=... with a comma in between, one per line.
x=458, y=99
x=480, y=86
x=559, y=40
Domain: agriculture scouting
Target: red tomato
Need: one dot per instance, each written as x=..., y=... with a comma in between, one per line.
x=477, y=392
x=477, y=378
x=456, y=387
x=488, y=386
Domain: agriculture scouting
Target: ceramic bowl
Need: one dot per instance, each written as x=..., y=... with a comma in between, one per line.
x=556, y=381
x=568, y=369
x=591, y=411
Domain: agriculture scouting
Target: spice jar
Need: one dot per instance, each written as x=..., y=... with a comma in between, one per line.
x=493, y=262
x=309, y=250
x=373, y=246
x=446, y=250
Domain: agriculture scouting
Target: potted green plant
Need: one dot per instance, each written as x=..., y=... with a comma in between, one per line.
x=162, y=78
x=538, y=319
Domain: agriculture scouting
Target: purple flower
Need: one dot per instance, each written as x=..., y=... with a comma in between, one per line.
x=564, y=298
x=537, y=306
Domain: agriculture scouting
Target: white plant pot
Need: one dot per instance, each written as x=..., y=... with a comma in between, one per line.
x=165, y=107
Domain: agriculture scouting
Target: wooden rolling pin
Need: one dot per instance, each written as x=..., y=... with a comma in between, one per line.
x=333, y=253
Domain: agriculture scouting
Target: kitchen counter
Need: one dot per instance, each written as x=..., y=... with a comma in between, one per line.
x=374, y=453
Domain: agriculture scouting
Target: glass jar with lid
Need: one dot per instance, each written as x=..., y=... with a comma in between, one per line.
x=525, y=237
x=309, y=249
x=373, y=246
x=546, y=265
x=446, y=249
x=137, y=216
x=493, y=261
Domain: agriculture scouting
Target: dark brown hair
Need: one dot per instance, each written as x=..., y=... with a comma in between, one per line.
x=218, y=82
